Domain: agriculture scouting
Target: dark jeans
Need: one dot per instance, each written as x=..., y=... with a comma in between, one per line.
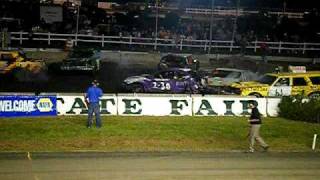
x=94, y=108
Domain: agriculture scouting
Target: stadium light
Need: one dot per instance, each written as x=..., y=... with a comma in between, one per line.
x=235, y=21
x=211, y=26
x=77, y=23
x=156, y=33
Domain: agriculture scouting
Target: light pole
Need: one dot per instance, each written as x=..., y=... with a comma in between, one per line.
x=77, y=24
x=211, y=26
x=156, y=33
x=235, y=22
x=284, y=6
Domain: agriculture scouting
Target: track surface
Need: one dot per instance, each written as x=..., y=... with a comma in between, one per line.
x=235, y=165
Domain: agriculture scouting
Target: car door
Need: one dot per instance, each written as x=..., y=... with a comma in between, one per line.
x=3, y=63
x=161, y=82
x=6, y=62
x=281, y=87
x=300, y=86
x=178, y=82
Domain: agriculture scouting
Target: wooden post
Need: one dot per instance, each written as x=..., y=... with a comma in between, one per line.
x=21, y=38
x=279, y=48
x=255, y=45
x=102, y=40
x=231, y=46
x=304, y=48
x=49, y=40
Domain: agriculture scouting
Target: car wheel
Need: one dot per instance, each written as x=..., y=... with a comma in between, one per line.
x=315, y=95
x=22, y=75
x=256, y=95
x=137, y=88
x=162, y=66
x=54, y=68
x=196, y=66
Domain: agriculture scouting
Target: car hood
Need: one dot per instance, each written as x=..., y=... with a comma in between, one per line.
x=133, y=79
x=218, y=81
x=76, y=59
x=248, y=84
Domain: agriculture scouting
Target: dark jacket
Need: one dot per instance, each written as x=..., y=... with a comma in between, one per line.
x=255, y=117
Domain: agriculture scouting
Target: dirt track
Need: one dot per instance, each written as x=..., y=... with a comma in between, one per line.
x=161, y=166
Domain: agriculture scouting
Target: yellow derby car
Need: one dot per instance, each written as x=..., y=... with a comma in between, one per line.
x=281, y=84
x=22, y=68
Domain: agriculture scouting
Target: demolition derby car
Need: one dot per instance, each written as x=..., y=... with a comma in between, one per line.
x=16, y=64
x=82, y=60
x=175, y=80
x=227, y=76
x=178, y=61
x=281, y=84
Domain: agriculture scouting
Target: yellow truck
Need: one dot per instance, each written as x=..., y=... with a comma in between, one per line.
x=17, y=64
x=281, y=84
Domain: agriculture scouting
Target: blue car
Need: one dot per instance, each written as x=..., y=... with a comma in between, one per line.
x=176, y=80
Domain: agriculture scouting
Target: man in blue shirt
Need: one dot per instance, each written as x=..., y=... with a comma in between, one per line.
x=92, y=98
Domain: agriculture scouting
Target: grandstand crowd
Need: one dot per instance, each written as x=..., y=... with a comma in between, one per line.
x=172, y=24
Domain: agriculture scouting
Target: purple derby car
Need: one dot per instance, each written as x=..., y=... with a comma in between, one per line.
x=175, y=80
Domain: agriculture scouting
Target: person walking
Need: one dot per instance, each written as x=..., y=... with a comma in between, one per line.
x=92, y=98
x=255, y=124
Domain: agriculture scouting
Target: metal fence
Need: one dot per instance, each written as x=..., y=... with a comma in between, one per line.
x=54, y=40
x=240, y=12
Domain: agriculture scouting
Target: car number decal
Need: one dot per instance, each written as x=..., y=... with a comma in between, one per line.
x=280, y=91
x=161, y=85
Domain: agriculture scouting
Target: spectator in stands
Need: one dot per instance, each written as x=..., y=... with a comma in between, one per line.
x=30, y=37
x=264, y=49
x=243, y=45
x=68, y=44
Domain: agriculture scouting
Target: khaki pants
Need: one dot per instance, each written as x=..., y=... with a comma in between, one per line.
x=255, y=135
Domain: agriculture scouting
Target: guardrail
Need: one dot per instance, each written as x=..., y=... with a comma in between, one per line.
x=240, y=12
x=49, y=39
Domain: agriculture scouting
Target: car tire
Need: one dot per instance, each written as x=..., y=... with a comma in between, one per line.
x=162, y=66
x=256, y=95
x=54, y=68
x=137, y=88
x=197, y=66
x=22, y=75
x=315, y=95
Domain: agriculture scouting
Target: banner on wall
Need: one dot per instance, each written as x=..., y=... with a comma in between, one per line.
x=75, y=105
x=155, y=105
x=226, y=106
x=168, y=105
x=14, y=106
x=272, y=106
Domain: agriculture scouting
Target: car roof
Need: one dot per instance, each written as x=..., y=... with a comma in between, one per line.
x=230, y=69
x=177, y=69
x=178, y=55
x=225, y=69
x=317, y=73
x=8, y=51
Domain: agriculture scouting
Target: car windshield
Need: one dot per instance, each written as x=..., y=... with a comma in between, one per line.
x=267, y=79
x=234, y=75
x=22, y=54
x=81, y=54
x=220, y=73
